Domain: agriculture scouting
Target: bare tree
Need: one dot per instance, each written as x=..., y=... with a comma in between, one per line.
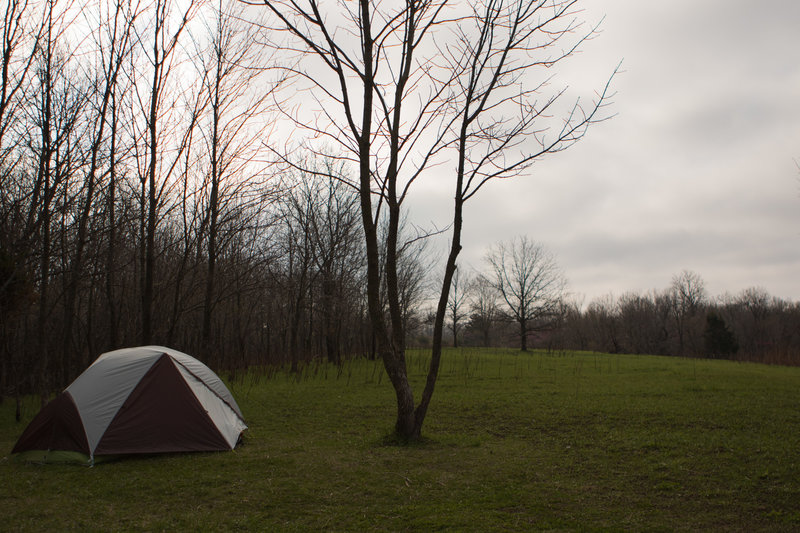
x=98, y=109
x=158, y=109
x=603, y=322
x=755, y=305
x=397, y=103
x=17, y=54
x=297, y=214
x=573, y=332
x=20, y=37
x=460, y=289
x=495, y=55
x=338, y=258
x=644, y=321
x=113, y=47
x=413, y=267
x=688, y=296
x=530, y=283
x=495, y=52
x=237, y=91
x=484, y=311
x=372, y=72
x=56, y=102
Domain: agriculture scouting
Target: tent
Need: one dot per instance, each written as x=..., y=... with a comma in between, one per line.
x=149, y=399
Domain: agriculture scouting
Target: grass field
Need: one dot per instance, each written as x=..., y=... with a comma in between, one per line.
x=513, y=442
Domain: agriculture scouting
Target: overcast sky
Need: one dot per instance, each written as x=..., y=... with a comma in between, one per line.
x=696, y=171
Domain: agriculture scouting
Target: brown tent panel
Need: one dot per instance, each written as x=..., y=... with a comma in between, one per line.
x=161, y=415
x=57, y=427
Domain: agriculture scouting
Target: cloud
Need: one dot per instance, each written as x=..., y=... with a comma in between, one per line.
x=697, y=169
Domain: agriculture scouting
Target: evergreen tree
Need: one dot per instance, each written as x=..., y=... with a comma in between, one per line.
x=719, y=340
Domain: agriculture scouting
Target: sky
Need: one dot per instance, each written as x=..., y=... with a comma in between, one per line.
x=697, y=170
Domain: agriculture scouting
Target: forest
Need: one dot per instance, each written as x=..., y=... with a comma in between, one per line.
x=140, y=203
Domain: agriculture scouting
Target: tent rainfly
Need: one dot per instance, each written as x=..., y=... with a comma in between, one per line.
x=149, y=399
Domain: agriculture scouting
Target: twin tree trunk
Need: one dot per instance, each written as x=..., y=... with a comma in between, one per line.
x=391, y=346
x=390, y=338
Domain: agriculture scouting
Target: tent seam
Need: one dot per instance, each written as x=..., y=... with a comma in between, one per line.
x=195, y=376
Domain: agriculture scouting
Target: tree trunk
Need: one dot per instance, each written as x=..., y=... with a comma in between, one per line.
x=444, y=295
x=150, y=199
x=523, y=336
x=330, y=322
x=406, y=427
x=213, y=206
x=388, y=348
x=111, y=302
x=44, y=223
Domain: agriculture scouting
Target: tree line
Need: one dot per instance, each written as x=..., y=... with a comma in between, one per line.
x=135, y=208
x=522, y=300
x=749, y=326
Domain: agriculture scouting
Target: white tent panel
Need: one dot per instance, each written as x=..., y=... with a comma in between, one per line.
x=228, y=421
x=102, y=389
x=206, y=375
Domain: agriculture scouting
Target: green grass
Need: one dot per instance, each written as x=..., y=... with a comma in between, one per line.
x=513, y=442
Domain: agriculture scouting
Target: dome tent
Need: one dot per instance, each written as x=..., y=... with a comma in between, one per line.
x=148, y=399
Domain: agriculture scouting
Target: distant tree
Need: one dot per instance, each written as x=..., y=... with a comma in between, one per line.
x=530, y=283
x=457, y=303
x=644, y=321
x=297, y=210
x=718, y=340
x=572, y=331
x=688, y=297
x=603, y=322
x=755, y=304
x=338, y=257
x=413, y=270
x=484, y=310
